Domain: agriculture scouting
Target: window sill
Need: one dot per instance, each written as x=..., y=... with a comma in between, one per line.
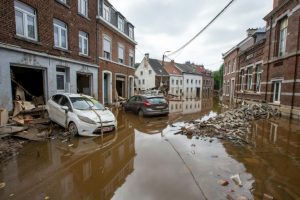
x=85, y=56
x=63, y=4
x=83, y=16
x=61, y=49
x=27, y=40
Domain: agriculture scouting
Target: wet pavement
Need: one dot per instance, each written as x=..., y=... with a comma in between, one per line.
x=144, y=159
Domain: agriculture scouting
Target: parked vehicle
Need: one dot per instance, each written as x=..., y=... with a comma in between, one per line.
x=81, y=114
x=147, y=105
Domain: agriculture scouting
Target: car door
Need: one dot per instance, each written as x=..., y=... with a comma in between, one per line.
x=53, y=107
x=61, y=114
x=139, y=103
x=130, y=103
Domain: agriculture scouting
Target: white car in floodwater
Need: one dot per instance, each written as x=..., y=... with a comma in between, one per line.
x=81, y=114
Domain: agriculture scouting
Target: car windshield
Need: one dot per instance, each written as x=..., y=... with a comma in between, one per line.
x=83, y=103
x=156, y=100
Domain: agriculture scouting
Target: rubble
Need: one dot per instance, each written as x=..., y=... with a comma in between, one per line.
x=233, y=125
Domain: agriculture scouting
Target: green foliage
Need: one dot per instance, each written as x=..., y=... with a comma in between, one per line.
x=218, y=78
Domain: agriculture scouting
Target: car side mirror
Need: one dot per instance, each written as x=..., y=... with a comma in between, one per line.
x=65, y=108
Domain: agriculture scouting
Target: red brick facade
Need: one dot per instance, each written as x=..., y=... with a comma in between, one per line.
x=46, y=11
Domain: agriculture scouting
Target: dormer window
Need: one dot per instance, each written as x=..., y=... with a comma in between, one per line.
x=120, y=24
x=130, y=32
x=106, y=13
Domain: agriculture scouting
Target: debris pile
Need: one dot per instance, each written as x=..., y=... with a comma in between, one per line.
x=233, y=125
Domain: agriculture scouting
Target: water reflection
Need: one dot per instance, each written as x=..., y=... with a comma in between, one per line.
x=88, y=168
x=274, y=159
x=189, y=106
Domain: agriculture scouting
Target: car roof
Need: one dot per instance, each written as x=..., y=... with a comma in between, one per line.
x=152, y=96
x=73, y=95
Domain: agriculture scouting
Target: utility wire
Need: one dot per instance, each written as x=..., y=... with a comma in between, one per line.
x=186, y=44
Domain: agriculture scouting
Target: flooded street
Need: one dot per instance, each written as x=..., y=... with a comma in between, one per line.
x=144, y=159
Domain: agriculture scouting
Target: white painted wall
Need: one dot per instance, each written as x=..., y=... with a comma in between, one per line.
x=190, y=83
x=176, y=85
x=142, y=74
x=48, y=64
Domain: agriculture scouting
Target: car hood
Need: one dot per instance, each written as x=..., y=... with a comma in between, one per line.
x=105, y=115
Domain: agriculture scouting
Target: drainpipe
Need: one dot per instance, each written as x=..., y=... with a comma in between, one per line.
x=269, y=55
x=97, y=57
x=295, y=76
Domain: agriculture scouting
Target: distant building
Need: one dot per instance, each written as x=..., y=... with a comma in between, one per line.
x=176, y=79
x=150, y=74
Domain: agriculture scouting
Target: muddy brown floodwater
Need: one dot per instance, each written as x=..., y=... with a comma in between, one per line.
x=143, y=159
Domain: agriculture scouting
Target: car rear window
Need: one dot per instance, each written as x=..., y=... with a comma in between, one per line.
x=156, y=100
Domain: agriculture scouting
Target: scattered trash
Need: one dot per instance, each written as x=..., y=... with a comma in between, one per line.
x=241, y=198
x=3, y=117
x=70, y=145
x=236, y=179
x=9, y=130
x=11, y=195
x=223, y=182
x=47, y=198
x=2, y=185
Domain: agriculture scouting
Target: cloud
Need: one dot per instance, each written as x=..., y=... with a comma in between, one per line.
x=166, y=25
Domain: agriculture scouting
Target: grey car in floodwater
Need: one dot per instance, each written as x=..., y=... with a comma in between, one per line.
x=146, y=105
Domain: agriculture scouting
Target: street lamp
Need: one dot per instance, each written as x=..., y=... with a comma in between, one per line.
x=163, y=58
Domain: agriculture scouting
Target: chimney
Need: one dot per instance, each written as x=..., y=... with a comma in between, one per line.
x=251, y=31
x=147, y=56
x=275, y=3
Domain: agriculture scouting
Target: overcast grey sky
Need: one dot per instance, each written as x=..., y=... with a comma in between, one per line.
x=168, y=24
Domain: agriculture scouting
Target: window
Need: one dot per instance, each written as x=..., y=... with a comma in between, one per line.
x=63, y=1
x=139, y=82
x=130, y=31
x=83, y=7
x=106, y=13
x=25, y=17
x=121, y=53
x=143, y=81
x=60, y=34
x=282, y=36
x=120, y=24
x=187, y=80
x=176, y=82
x=60, y=79
x=242, y=80
x=83, y=43
x=131, y=58
x=276, y=91
x=191, y=81
x=106, y=47
x=141, y=73
x=180, y=82
x=249, y=78
x=150, y=71
x=258, y=78
x=172, y=81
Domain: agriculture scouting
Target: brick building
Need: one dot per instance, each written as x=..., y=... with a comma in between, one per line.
x=117, y=54
x=268, y=69
x=47, y=47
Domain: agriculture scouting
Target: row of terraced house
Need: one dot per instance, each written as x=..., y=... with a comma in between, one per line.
x=264, y=67
x=182, y=81
x=76, y=46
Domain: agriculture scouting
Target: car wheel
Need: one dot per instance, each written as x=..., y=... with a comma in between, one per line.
x=141, y=113
x=73, y=129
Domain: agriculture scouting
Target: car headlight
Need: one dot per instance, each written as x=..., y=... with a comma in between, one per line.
x=86, y=119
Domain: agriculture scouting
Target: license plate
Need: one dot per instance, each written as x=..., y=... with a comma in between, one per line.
x=108, y=128
x=160, y=106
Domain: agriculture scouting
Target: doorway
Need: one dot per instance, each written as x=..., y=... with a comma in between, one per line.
x=130, y=87
x=120, y=86
x=106, y=87
x=29, y=80
x=84, y=84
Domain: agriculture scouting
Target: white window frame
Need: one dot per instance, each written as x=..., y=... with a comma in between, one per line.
x=106, y=38
x=121, y=56
x=25, y=14
x=258, y=77
x=59, y=73
x=130, y=32
x=60, y=29
x=249, y=78
x=106, y=13
x=83, y=7
x=279, y=82
x=131, y=55
x=282, y=36
x=121, y=24
x=83, y=36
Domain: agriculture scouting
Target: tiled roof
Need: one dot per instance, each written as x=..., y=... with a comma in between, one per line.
x=171, y=69
x=157, y=67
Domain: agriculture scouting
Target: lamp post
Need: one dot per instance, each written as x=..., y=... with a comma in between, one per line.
x=163, y=63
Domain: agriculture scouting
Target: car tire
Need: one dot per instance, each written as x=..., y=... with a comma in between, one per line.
x=141, y=113
x=73, y=129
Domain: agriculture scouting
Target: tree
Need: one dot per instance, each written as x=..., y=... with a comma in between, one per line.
x=218, y=78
